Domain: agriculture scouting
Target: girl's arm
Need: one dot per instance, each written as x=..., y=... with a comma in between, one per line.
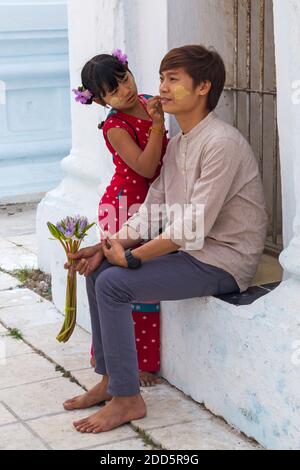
x=142, y=162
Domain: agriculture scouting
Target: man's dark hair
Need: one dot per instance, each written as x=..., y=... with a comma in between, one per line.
x=200, y=64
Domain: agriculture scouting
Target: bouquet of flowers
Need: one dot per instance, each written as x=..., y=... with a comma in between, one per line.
x=70, y=232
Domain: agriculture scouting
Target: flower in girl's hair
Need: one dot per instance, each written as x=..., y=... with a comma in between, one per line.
x=119, y=55
x=83, y=95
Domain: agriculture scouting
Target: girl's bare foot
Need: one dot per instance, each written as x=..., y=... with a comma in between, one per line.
x=148, y=379
x=118, y=411
x=97, y=395
x=93, y=362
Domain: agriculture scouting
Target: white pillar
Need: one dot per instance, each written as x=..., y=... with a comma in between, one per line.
x=86, y=161
x=287, y=46
x=95, y=26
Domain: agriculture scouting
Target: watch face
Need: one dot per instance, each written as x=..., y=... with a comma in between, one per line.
x=132, y=262
x=137, y=263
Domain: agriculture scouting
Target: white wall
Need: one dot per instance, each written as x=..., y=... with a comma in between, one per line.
x=287, y=46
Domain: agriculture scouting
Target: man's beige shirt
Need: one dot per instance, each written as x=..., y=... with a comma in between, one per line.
x=211, y=167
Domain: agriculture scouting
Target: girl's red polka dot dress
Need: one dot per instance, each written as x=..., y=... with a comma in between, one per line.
x=126, y=182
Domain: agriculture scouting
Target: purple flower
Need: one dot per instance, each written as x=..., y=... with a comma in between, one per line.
x=83, y=223
x=119, y=55
x=82, y=95
x=73, y=227
x=66, y=227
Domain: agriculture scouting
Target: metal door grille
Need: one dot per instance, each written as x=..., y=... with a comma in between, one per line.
x=255, y=100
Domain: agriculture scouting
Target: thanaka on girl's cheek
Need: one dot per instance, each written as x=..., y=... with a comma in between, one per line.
x=115, y=101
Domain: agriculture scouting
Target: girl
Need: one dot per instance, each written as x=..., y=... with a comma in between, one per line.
x=135, y=135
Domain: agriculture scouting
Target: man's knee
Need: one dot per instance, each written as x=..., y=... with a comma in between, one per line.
x=107, y=279
x=111, y=281
x=92, y=278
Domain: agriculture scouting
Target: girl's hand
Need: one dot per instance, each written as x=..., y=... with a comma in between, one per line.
x=115, y=254
x=155, y=111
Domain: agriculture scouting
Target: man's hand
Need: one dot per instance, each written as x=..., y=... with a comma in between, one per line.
x=115, y=254
x=86, y=260
x=86, y=252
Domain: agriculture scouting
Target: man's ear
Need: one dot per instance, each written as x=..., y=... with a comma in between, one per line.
x=204, y=88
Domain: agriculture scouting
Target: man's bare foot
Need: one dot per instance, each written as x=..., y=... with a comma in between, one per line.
x=95, y=396
x=118, y=411
x=93, y=362
x=148, y=379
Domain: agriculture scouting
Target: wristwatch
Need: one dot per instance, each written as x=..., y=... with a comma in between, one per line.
x=132, y=261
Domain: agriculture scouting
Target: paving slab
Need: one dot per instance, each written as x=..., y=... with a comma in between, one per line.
x=27, y=317
x=72, y=355
x=59, y=432
x=14, y=347
x=18, y=437
x=128, y=444
x=6, y=417
x=24, y=369
x=13, y=257
x=201, y=434
x=168, y=406
x=41, y=398
x=29, y=241
x=5, y=244
x=18, y=220
x=17, y=297
x=87, y=377
x=8, y=282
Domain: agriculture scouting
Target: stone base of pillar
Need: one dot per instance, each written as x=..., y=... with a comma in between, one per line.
x=69, y=198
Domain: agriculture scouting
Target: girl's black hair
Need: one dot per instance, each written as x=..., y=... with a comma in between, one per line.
x=102, y=75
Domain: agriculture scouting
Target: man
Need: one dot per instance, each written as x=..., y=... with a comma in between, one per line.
x=212, y=246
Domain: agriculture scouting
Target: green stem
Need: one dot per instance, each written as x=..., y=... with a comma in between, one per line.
x=71, y=295
x=70, y=308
